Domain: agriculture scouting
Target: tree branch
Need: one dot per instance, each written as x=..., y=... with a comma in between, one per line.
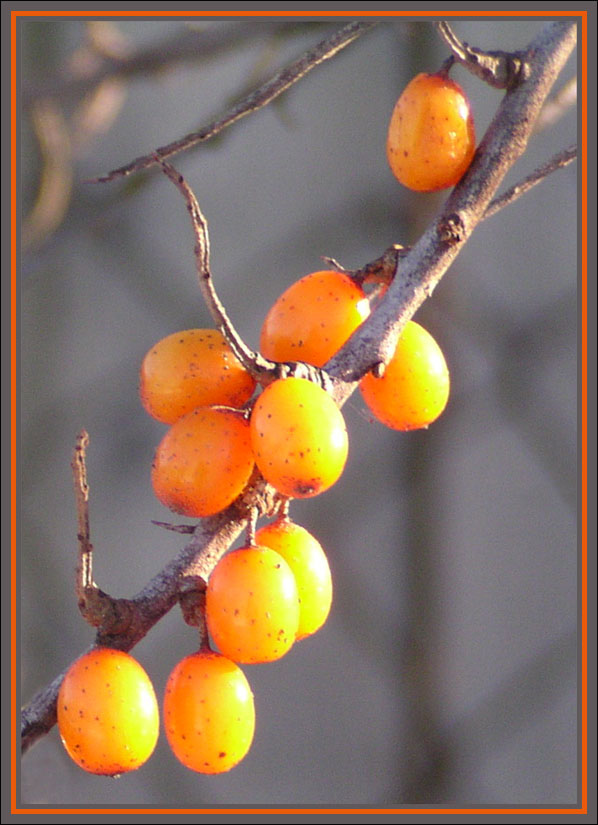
x=420, y=271
x=266, y=93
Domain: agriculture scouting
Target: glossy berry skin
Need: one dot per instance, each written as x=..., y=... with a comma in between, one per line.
x=107, y=711
x=414, y=389
x=431, y=136
x=189, y=369
x=299, y=437
x=203, y=462
x=209, y=713
x=313, y=318
x=306, y=558
x=252, y=605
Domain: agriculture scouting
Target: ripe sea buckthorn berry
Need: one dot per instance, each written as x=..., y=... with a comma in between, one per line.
x=203, y=462
x=431, y=136
x=414, y=389
x=299, y=437
x=313, y=318
x=307, y=560
x=189, y=369
x=252, y=606
x=209, y=713
x=107, y=711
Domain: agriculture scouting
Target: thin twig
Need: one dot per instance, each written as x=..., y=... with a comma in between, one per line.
x=558, y=161
x=262, y=369
x=79, y=468
x=111, y=616
x=184, y=529
x=253, y=362
x=274, y=87
x=498, y=69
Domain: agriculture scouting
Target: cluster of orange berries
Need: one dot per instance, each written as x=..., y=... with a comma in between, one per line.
x=262, y=597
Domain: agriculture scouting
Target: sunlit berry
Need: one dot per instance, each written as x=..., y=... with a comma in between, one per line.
x=203, y=462
x=299, y=437
x=189, y=369
x=431, y=136
x=252, y=605
x=107, y=712
x=414, y=389
x=209, y=713
x=313, y=318
x=307, y=560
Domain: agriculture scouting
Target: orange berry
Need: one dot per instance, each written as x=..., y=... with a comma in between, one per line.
x=107, y=712
x=414, y=389
x=252, y=607
x=209, y=713
x=299, y=437
x=313, y=318
x=189, y=369
x=203, y=462
x=307, y=560
x=431, y=137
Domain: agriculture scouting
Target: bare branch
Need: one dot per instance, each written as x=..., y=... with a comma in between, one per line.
x=511, y=195
x=270, y=90
x=253, y=362
x=98, y=609
x=115, y=60
x=498, y=69
x=557, y=106
x=79, y=468
x=373, y=343
x=261, y=368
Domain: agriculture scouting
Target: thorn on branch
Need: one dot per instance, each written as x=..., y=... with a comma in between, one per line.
x=184, y=529
x=334, y=264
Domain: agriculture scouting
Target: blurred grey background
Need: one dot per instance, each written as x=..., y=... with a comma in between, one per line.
x=447, y=670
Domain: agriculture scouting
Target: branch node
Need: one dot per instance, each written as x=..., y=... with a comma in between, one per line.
x=451, y=229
